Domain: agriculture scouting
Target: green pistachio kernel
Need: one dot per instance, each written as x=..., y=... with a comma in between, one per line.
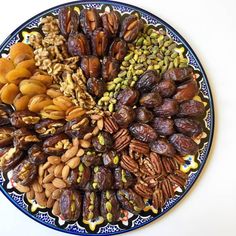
x=109, y=217
x=108, y=195
x=92, y=197
x=72, y=206
x=108, y=206
x=101, y=139
x=123, y=176
x=116, y=159
x=90, y=215
x=78, y=179
x=91, y=207
x=117, y=88
x=111, y=107
x=132, y=84
x=137, y=209
x=81, y=167
x=96, y=169
x=117, y=80
x=122, y=74
x=129, y=56
x=111, y=87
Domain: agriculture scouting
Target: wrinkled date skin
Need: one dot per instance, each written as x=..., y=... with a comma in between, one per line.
x=78, y=45
x=68, y=20
x=150, y=100
x=183, y=144
x=191, y=108
x=90, y=20
x=166, y=88
x=70, y=205
x=169, y=107
x=143, y=132
x=110, y=68
x=37, y=155
x=91, y=206
x=23, y=138
x=47, y=127
x=103, y=142
x=56, y=145
x=163, y=126
x=111, y=22
x=143, y=115
x=188, y=126
x=186, y=91
x=91, y=66
x=9, y=158
x=130, y=200
x=96, y=87
x=91, y=158
x=21, y=119
x=102, y=178
x=111, y=159
x=123, y=178
x=5, y=112
x=128, y=97
x=79, y=177
x=163, y=147
x=124, y=116
x=25, y=173
x=110, y=207
x=118, y=49
x=6, y=136
x=130, y=28
x=178, y=74
x=147, y=80
x=99, y=42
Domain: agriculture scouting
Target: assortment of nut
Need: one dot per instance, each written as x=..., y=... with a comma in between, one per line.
x=65, y=149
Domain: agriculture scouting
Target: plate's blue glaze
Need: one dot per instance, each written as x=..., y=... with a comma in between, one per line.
x=194, y=164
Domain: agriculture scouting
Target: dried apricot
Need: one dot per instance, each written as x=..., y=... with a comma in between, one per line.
x=27, y=64
x=45, y=79
x=32, y=87
x=21, y=102
x=38, y=102
x=17, y=75
x=5, y=66
x=8, y=93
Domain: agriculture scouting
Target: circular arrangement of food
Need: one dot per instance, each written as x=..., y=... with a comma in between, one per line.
x=97, y=114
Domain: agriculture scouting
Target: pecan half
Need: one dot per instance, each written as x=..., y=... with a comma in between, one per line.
x=167, y=188
x=110, y=125
x=129, y=164
x=158, y=200
x=143, y=190
x=156, y=162
x=122, y=139
x=139, y=147
x=169, y=164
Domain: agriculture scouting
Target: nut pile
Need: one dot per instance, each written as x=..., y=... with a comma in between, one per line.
x=99, y=116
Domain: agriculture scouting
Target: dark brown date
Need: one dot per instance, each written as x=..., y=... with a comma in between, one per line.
x=70, y=204
x=124, y=116
x=186, y=91
x=9, y=158
x=91, y=66
x=99, y=40
x=110, y=207
x=191, y=108
x=183, y=144
x=111, y=22
x=6, y=136
x=147, y=80
x=25, y=173
x=111, y=159
x=166, y=88
x=91, y=158
x=163, y=126
x=179, y=74
x=188, y=126
x=47, y=127
x=143, y=132
x=169, y=107
x=23, y=138
x=130, y=200
x=103, y=142
x=37, y=155
x=5, y=112
x=56, y=145
x=91, y=206
x=163, y=147
x=130, y=28
x=110, y=68
x=96, y=87
x=143, y=115
x=78, y=45
x=118, y=49
x=21, y=119
x=90, y=20
x=151, y=100
x=123, y=178
x=128, y=97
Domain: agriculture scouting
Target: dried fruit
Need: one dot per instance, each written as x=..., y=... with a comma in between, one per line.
x=91, y=206
x=123, y=178
x=96, y=87
x=90, y=158
x=6, y=136
x=32, y=87
x=8, y=93
x=124, y=116
x=163, y=147
x=168, y=108
x=103, y=142
x=118, y=49
x=128, y=97
x=111, y=22
x=37, y=155
x=151, y=100
x=166, y=88
x=111, y=159
x=26, y=118
x=143, y=115
x=178, y=74
x=191, y=108
x=163, y=126
x=17, y=75
x=110, y=68
x=91, y=66
x=20, y=102
x=6, y=65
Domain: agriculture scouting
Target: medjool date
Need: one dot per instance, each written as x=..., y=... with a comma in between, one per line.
x=128, y=97
x=91, y=206
x=118, y=49
x=123, y=178
x=91, y=158
x=151, y=100
x=70, y=204
x=169, y=107
x=124, y=116
x=103, y=142
x=21, y=119
x=183, y=144
x=5, y=112
x=191, y=108
x=6, y=136
x=110, y=68
x=163, y=147
x=143, y=115
x=111, y=22
x=37, y=155
x=143, y=132
x=178, y=74
x=166, y=88
x=91, y=66
x=163, y=126
x=111, y=159
x=96, y=87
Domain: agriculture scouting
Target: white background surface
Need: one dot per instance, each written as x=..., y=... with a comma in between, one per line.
x=210, y=206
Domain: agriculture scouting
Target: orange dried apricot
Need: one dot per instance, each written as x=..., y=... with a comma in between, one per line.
x=20, y=52
x=21, y=102
x=17, y=75
x=32, y=87
x=45, y=79
x=38, y=102
x=28, y=64
x=5, y=66
x=8, y=93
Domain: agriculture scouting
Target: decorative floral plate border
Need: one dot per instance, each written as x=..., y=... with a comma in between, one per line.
x=193, y=164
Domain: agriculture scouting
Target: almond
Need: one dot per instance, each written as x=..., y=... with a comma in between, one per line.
x=54, y=160
x=65, y=172
x=37, y=187
x=41, y=199
x=58, y=170
x=30, y=195
x=56, y=208
x=21, y=188
x=85, y=143
x=50, y=202
x=48, y=178
x=100, y=124
x=74, y=162
x=59, y=183
x=56, y=194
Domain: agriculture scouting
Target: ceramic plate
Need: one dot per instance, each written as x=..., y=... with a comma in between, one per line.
x=193, y=164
